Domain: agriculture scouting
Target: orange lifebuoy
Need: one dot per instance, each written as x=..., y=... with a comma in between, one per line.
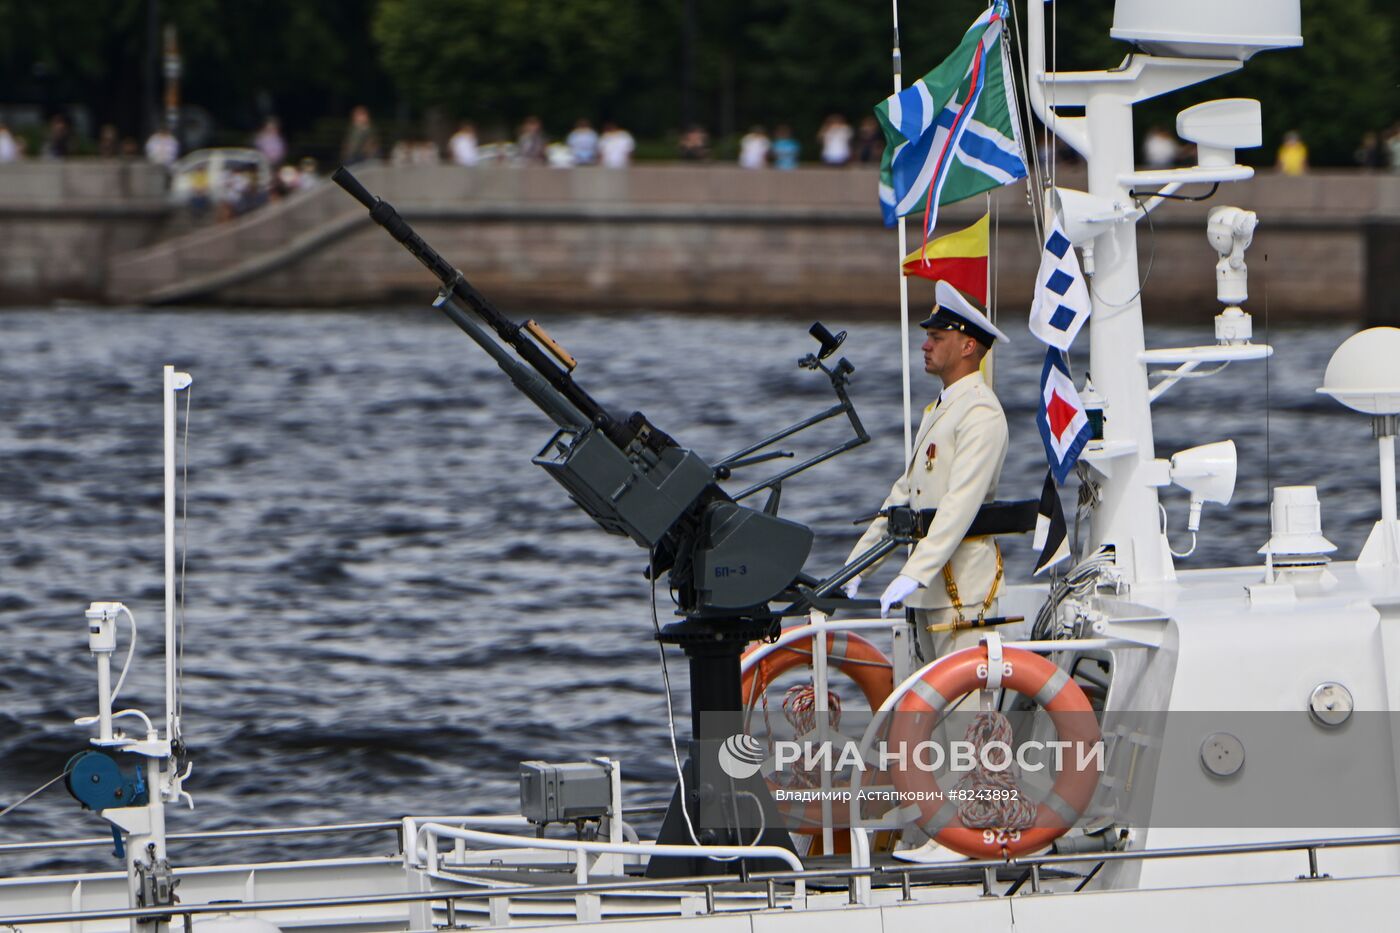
x=1035, y=677
x=852, y=655
x=855, y=657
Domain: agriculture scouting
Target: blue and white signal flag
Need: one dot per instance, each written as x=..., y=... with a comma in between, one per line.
x=1061, y=304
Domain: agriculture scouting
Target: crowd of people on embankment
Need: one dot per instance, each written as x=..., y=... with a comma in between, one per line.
x=611, y=145
x=1377, y=151
x=234, y=187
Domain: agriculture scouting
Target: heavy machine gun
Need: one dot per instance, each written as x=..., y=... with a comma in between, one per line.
x=727, y=561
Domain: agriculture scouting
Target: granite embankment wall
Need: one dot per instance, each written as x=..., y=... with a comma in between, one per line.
x=63, y=223
x=660, y=236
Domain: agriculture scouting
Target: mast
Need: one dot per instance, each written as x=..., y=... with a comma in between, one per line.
x=172, y=382
x=1127, y=517
x=897, y=61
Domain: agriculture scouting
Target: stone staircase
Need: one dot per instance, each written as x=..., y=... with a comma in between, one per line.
x=685, y=236
x=195, y=265
x=225, y=262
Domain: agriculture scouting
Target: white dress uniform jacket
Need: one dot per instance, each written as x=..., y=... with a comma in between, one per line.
x=957, y=460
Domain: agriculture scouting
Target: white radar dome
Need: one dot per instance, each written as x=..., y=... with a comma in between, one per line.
x=1363, y=375
x=1234, y=30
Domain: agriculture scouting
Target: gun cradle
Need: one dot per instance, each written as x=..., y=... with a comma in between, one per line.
x=743, y=557
x=747, y=557
x=641, y=496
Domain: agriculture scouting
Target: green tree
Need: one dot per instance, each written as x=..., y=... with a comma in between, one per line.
x=498, y=61
x=755, y=61
x=299, y=59
x=779, y=61
x=1339, y=85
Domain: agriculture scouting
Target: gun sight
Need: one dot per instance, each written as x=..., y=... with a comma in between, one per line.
x=830, y=342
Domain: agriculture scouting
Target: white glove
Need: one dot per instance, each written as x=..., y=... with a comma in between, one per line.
x=851, y=587
x=899, y=589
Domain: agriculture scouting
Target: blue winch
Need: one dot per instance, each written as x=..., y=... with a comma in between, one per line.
x=98, y=782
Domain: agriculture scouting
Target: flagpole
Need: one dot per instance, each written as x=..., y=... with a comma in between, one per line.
x=991, y=300
x=903, y=279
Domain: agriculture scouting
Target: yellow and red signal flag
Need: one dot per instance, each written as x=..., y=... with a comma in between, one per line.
x=960, y=259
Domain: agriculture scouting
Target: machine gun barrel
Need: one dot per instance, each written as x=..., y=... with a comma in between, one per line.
x=630, y=477
x=549, y=386
x=726, y=560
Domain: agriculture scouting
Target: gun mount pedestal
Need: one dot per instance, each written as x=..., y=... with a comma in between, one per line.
x=723, y=809
x=728, y=561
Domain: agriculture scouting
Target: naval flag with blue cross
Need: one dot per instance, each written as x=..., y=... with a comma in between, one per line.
x=1061, y=304
x=952, y=133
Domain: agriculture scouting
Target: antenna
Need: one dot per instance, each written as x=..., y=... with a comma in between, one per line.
x=1361, y=376
x=172, y=382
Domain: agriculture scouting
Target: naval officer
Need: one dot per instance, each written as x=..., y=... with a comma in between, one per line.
x=958, y=454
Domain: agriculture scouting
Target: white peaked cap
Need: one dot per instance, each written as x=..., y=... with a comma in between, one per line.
x=953, y=309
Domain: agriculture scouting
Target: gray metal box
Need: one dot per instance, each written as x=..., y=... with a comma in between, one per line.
x=553, y=793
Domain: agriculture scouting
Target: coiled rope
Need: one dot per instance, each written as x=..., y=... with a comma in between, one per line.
x=993, y=799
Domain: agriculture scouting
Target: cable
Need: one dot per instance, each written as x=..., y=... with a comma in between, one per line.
x=1035, y=183
x=1014, y=50
x=1088, y=498
x=126, y=666
x=1079, y=582
x=1142, y=282
x=131, y=650
x=136, y=713
x=1141, y=196
x=1268, y=450
x=671, y=716
x=150, y=727
x=1189, y=551
x=675, y=749
x=758, y=805
x=34, y=793
x=993, y=303
x=1055, y=70
x=184, y=557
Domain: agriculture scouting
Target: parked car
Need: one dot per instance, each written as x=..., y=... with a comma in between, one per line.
x=209, y=177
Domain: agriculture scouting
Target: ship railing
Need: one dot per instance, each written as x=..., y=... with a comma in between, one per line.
x=214, y=835
x=396, y=827
x=588, y=856
x=418, y=854
x=803, y=632
x=903, y=875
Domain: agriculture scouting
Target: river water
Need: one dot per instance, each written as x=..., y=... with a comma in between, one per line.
x=388, y=607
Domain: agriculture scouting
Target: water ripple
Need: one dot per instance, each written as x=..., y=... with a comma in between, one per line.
x=388, y=606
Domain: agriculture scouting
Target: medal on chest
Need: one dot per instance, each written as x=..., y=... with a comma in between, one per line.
x=929, y=454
